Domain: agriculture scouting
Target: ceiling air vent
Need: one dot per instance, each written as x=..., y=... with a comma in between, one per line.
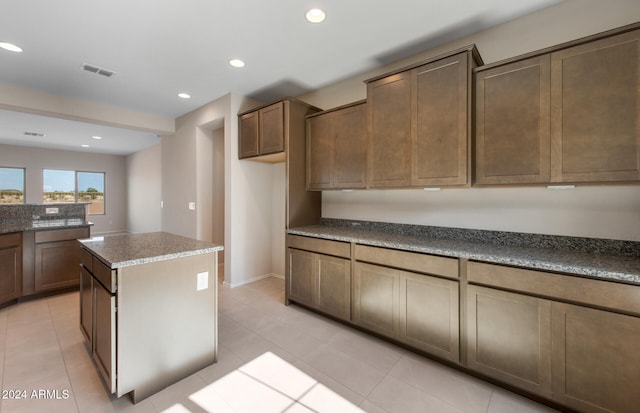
x=97, y=70
x=34, y=134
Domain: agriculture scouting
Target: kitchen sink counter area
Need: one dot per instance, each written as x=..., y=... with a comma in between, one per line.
x=610, y=260
x=136, y=293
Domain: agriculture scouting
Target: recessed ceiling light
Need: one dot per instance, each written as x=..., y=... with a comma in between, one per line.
x=97, y=137
x=10, y=47
x=316, y=15
x=85, y=146
x=184, y=95
x=236, y=63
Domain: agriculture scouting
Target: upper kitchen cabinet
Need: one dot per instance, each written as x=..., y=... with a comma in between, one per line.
x=566, y=114
x=595, y=102
x=336, y=148
x=419, y=121
x=512, y=123
x=264, y=131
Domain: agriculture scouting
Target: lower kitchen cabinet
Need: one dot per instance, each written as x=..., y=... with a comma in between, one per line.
x=98, y=314
x=10, y=267
x=429, y=315
x=86, y=305
x=319, y=280
x=509, y=338
x=376, y=298
x=301, y=282
x=57, y=255
x=582, y=357
x=334, y=285
x=104, y=337
x=596, y=363
x=409, y=297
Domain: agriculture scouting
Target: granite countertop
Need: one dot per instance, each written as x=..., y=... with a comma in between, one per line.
x=132, y=249
x=583, y=261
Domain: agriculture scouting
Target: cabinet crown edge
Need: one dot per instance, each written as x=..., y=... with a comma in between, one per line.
x=571, y=43
x=472, y=49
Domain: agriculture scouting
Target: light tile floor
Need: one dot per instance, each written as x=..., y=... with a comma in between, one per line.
x=272, y=358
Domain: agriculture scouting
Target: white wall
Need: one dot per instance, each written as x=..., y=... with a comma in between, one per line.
x=218, y=187
x=596, y=211
x=278, y=218
x=114, y=167
x=144, y=184
x=247, y=189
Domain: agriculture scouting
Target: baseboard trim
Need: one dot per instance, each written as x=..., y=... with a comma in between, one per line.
x=251, y=280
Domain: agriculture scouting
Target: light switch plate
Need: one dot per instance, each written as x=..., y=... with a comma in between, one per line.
x=203, y=280
x=192, y=206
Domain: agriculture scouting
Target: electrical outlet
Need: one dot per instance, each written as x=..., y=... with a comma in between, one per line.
x=192, y=206
x=51, y=210
x=203, y=281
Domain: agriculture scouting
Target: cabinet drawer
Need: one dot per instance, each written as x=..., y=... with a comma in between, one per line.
x=105, y=275
x=11, y=240
x=424, y=263
x=323, y=246
x=86, y=259
x=618, y=297
x=61, y=234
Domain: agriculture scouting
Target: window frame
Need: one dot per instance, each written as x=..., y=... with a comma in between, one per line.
x=76, y=191
x=24, y=184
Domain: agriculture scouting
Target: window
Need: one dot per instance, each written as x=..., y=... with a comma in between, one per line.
x=74, y=186
x=11, y=185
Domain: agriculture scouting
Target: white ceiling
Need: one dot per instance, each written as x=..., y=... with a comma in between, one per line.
x=159, y=48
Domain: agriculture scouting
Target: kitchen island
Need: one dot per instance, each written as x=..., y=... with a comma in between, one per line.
x=148, y=309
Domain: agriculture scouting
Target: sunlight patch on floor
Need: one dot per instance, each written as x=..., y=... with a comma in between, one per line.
x=267, y=384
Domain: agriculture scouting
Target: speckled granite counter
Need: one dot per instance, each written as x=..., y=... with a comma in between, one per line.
x=119, y=251
x=33, y=217
x=610, y=260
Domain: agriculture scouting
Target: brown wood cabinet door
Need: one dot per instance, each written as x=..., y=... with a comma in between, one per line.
x=389, y=124
x=57, y=265
x=595, y=108
x=10, y=267
x=333, y=286
x=86, y=305
x=596, y=363
x=375, y=298
x=509, y=338
x=301, y=276
x=350, y=148
x=104, y=340
x=512, y=123
x=248, y=135
x=440, y=137
x=320, y=138
x=429, y=315
x=271, y=129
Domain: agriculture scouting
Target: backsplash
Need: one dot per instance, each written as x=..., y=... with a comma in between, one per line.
x=32, y=213
x=592, y=245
